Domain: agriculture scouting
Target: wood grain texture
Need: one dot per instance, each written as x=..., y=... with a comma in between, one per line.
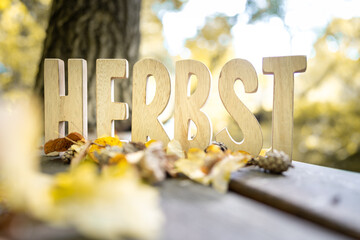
x=108, y=70
x=60, y=108
x=194, y=211
x=253, y=140
x=283, y=69
x=145, y=122
x=327, y=196
x=188, y=107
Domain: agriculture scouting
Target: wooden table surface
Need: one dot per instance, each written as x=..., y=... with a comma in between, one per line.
x=325, y=196
x=307, y=202
x=194, y=211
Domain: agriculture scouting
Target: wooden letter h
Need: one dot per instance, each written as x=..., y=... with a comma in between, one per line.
x=60, y=107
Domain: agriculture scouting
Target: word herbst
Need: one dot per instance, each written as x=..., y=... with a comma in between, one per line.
x=145, y=124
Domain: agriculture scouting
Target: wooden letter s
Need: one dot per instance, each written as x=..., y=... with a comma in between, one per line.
x=233, y=70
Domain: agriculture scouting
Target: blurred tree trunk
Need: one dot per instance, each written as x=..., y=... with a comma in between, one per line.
x=92, y=29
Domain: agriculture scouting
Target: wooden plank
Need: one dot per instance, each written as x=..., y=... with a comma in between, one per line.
x=53, y=165
x=329, y=197
x=194, y=211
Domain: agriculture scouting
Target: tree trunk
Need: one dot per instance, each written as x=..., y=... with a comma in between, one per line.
x=92, y=29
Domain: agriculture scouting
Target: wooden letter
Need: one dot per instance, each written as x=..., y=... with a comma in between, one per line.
x=188, y=107
x=283, y=69
x=106, y=109
x=145, y=122
x=60, y=108
x=233, y=70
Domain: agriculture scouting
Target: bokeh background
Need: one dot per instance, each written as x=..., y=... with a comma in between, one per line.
x=327, y=109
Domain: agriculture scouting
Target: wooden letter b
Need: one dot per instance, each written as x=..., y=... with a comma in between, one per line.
x=187, y=108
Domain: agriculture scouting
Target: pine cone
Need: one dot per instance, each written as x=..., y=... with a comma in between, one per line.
x=68, y=155
x=274, y=162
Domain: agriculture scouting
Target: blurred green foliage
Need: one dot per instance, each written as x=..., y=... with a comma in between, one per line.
x=328, y=134
x=327, y=110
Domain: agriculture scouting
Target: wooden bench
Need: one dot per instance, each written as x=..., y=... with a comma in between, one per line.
x=306, y=202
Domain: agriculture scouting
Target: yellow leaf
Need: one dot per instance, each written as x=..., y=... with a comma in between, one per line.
x=213, y=149
x=191, y=169
x=148, y=143
x=196, y=154
x=122, y=169
x=4, y=4
x=221, y=172
x=264, y=151
x=101, y=143
x=174, y=148
x=118, y=159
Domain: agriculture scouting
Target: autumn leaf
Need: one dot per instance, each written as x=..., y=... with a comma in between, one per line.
x=174, y=148
x=100, y=144
x=213, y=167
x=63, y=144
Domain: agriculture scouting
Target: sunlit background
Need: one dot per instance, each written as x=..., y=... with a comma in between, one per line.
x=326, y=115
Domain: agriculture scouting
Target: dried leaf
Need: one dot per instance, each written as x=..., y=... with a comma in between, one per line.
x=133, y=147
x=81, y=154
x=191, y=166
x=152, y=165
x=213, y=149
x=221, y=171
x=101, y=143
x=118, y=158
x=170, y=165
x=174, y=148
x=264, y=151
x=111, y=204
x=148, y=143
x=62, y=144
x=135, y=157
x=215, y=146
x=50, y=146
x=103, y=155
x=210, y=161
x=213, y=167
x=196, y=154
x=108, y=205
x=75, y=137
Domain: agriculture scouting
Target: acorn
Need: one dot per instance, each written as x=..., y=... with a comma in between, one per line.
x=274, y=161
